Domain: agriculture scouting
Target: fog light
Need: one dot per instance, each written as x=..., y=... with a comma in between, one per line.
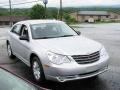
x=61, y=79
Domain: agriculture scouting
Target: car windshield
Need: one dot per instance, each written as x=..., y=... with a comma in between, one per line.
x=11, y=82
x=51, y=30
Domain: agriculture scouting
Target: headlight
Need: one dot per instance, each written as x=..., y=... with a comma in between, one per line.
x=103, y=52
x=58, y=59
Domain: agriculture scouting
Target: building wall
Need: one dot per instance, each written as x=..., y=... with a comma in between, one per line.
x=88, y=17
x=104, y=18
x=84, y=18
x=4, y=23
x=81, y=18
x=114, y=15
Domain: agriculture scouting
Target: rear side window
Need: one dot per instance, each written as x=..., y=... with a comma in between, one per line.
x=16, y=29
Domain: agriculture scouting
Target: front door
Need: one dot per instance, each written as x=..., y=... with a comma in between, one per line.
x=24, y=45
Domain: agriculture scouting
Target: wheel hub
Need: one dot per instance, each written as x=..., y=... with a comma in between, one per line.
x=9, y=50
x=36, y=70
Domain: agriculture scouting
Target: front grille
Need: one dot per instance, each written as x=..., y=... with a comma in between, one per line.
x=84, y=59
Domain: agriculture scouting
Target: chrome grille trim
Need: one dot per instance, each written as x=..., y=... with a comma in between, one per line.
x=84, y=59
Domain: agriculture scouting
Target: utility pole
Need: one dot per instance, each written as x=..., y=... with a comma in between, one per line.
x=45, y=11
x=45, y=2
x=58, y=13
x=61, y=10
x=10, y=8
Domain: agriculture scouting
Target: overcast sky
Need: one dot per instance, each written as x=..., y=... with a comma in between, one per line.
x=66, y=3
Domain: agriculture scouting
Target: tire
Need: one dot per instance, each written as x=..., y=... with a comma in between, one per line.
x=9, y=51
x=37, y=69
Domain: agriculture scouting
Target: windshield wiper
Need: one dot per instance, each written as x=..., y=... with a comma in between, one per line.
x=44, y=37
x=54, y=37
x=66, y=35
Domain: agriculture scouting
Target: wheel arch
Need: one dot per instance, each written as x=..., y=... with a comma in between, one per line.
x=31, y=56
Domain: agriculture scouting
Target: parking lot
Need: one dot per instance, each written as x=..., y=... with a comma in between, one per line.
x=107, y=34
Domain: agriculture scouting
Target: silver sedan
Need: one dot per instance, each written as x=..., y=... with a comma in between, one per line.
x=54, y=51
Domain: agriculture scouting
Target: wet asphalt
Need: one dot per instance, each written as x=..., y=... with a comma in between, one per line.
x=107, y=34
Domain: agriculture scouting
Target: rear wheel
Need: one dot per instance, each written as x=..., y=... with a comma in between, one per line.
x=37, y=69
x=9, y=51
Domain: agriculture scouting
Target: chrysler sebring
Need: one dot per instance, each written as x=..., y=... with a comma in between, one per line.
x=54, y=51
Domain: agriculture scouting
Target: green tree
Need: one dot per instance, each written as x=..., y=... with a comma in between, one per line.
x=37, y=12
x=54, y=13
x=68, y=18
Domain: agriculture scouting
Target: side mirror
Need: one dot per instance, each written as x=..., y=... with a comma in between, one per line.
x=78, y=32
x=24, y=38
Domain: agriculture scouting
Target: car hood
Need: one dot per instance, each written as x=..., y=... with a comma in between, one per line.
x=75, y=45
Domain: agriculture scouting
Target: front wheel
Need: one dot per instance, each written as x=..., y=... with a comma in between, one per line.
x=9, y=51
x=37, y=70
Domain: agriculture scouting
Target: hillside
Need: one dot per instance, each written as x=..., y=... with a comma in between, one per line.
x=50, y=10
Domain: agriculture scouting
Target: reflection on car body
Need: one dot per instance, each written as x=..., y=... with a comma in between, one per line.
x=9, y=81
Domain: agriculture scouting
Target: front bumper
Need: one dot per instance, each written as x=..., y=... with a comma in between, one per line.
x=77, y=77
x=74, y=71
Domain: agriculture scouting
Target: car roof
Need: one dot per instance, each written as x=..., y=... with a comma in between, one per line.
x=38, y=21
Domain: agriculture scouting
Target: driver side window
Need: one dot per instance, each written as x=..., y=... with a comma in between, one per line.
x=24, y=31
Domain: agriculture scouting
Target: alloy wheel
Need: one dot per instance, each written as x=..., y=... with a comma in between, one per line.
x=9, y=50
x=36, y=70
